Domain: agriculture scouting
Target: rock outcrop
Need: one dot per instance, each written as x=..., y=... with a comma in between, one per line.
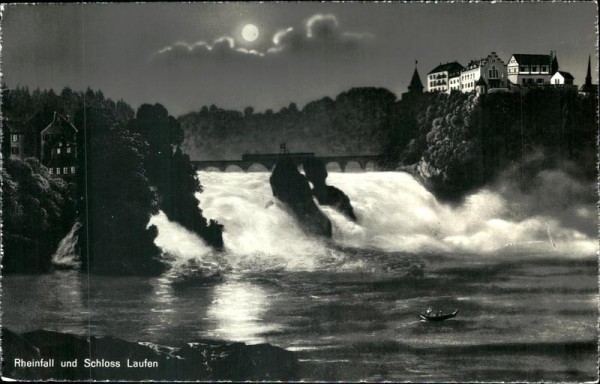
x=316, y=173
x=292, y=188
x=111, y=358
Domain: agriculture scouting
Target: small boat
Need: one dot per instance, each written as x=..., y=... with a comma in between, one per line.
x=433, y=317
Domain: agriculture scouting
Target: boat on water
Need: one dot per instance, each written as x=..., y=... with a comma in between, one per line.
x=437, y=316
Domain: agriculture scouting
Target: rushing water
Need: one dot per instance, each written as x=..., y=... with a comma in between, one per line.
x=525, y=285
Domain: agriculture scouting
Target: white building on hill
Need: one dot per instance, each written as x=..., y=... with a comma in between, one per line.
x=491, y=69
x=438, y=79
x=531, y=70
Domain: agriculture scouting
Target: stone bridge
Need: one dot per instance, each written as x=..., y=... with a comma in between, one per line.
x=268, y=161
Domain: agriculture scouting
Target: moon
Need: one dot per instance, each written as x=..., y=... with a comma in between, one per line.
x=250, y=32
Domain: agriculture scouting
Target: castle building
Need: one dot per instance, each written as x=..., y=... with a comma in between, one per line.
x=531, y=69
x=561, y=78
x=588, y=88
x=59, y=147
x=491, y=69
x=438, y=79
x=415, y=87
x=454, y=82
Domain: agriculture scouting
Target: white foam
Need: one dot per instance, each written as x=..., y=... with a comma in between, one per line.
x=395, y=213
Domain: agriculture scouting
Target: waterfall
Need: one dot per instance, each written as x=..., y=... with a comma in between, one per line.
x=66, y=255
x=395, y=214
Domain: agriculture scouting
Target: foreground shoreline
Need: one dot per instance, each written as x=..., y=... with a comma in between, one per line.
x=50, y=355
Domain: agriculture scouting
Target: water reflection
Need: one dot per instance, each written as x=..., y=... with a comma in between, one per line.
x=238, y=312
x=53, y=301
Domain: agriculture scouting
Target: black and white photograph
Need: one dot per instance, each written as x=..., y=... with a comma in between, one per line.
x=299, y=192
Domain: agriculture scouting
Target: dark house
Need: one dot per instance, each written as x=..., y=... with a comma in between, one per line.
x=17, y=134
x=59, y=147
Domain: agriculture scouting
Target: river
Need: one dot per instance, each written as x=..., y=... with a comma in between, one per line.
x=525, y=285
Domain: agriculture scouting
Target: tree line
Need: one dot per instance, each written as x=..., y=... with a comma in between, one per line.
x=453, y=142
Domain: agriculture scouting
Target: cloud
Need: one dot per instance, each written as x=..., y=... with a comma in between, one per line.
x=319, y=33
x=321, y=26
x=223, y=46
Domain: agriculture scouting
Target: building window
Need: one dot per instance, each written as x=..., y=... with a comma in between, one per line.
x=523, y=68
x=540, y=81
x=68, y=149
x=58, y=151
x=14, y=151
x=72, y=170
x=51, y=171
x=493, y=72
x=544, y=68
x=15, y=138
x=66, y=170
x=534, y=68
x=58, y=171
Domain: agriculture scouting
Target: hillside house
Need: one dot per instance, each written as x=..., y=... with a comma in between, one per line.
x=59, y=147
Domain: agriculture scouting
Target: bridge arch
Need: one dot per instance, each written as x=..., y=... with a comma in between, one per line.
x=210, y=168
x=233, y=168
x=371, y=166
x=257, y=167
x=333, y=166
x=354, y=166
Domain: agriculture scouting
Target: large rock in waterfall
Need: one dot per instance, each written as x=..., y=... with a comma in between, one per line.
x=316, y=173
x=111, y=358
x=292, y=188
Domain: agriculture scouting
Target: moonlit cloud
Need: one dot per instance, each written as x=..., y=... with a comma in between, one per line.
x=222, y=46
x=319, y=33
x=281, y=34
x=321, y=25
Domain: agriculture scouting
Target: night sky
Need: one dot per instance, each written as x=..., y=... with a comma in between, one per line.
x=189, y=55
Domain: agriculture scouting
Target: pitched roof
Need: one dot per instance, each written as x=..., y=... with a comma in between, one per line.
x=565, y=75
x=588, y=77
x=448, y=67
x=59, y=125
x=529, y=59
x=14, y=127
x=415, y=82
x=481, y=81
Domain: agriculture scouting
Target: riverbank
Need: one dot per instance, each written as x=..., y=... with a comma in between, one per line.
x=49, y=355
